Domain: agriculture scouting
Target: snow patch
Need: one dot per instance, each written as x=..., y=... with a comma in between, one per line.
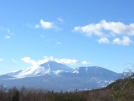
x=58, y=72
x=76, y=71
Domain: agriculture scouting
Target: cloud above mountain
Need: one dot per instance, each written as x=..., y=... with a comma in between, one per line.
x=105, y=29
x=29, y=60
x=51, y=58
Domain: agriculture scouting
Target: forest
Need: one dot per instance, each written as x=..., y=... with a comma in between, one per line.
x=120, y=90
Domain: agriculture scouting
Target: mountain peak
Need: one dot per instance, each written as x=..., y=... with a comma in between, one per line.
x=54, y=66
x=49, y=67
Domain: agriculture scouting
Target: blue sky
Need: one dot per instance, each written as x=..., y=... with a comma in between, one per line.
x=74, y=32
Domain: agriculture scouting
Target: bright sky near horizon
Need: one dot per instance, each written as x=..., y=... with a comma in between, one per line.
x=74, y=32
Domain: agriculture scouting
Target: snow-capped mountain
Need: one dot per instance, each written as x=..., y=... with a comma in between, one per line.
x=56, y=76
x=46, y=68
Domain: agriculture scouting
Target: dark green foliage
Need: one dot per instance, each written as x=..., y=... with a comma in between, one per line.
x=124, y=89
x=67, y=97
x=2, y=93
x=15, y=97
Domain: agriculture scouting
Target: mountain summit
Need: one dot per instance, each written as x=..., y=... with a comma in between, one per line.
x=49, y=67
x=54, y=66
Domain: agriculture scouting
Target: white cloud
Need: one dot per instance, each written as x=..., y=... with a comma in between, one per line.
x=1, y=59
x=61, y=20
x=64, y=60
x=104, y=28
x=29, y=60
x=6, y=31
x=7, y=37
x=125, y=41
x=37, y=26
x=9, y=32
x=51, y=58
x=103, y=40
x=89, y=30
x=46, y=25
x=84, y=62
x=14, y=60
x=58, y=42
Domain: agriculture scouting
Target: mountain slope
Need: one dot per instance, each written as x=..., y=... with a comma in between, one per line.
x=46, y=68
x=95, y=71
x=57, y=77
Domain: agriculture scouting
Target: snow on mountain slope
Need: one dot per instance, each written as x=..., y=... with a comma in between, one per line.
x=54, y=66
x=95, y=71
x=50, y=67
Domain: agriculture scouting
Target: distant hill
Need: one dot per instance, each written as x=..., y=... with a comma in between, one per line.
x=120, y=90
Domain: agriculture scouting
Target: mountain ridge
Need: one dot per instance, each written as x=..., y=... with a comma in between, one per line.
x=56, y=76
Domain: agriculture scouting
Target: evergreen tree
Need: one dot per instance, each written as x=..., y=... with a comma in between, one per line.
x=15, y=97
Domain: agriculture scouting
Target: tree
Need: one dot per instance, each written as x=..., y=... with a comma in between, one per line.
x=15, y=97
x=124, y=88
x=2, y=92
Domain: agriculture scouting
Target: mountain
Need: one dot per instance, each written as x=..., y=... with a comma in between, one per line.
x=95, y=71
x=46, y=68
x=56, y=76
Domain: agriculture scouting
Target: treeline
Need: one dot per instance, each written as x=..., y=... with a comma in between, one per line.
x=121, y=90
x=27, y=94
